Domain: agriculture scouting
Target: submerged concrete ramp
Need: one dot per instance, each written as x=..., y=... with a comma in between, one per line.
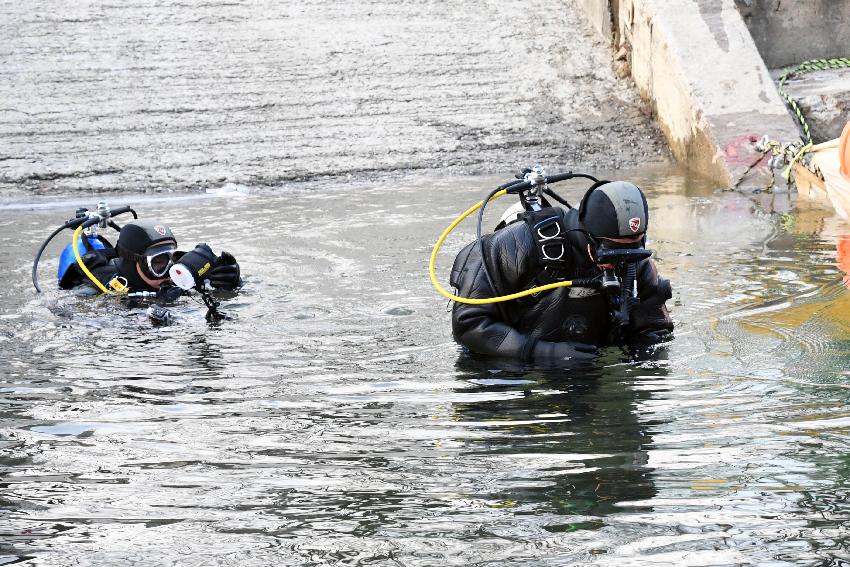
x=152, y=95
x=696, y=61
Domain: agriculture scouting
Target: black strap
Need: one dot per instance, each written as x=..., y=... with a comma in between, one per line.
x=547, y=229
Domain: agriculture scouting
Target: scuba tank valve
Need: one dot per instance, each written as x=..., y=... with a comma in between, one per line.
x=104, y=213
x=531, y=197
x=103, y=216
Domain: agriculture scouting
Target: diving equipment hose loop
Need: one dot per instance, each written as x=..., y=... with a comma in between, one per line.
x=79, y=219
x=486, y=300
x=82, y=264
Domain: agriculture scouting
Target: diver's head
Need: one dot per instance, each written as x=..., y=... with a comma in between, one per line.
x=615, y=216
x=147, y=250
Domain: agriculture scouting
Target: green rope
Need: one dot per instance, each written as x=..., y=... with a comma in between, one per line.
x=806, y=67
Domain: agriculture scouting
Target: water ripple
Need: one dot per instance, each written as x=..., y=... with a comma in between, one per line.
x=334, y=421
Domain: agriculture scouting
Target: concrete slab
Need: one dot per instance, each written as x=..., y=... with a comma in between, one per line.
x=788, y=33
x=146, y=95
x=598, y=14
x=824, y=98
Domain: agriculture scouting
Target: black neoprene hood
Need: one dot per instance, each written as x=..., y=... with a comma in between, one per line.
x=615, y=210
x=138, y=236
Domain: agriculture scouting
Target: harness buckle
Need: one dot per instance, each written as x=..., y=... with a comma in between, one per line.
x=550, y=241
x=552, y=246
x=119, y=284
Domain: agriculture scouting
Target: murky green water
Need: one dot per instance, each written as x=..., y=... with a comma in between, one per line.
x=333, y=422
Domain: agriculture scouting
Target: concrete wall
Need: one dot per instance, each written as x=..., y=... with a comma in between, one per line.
x=787, y=33
x=598, y=14
x=696, y=63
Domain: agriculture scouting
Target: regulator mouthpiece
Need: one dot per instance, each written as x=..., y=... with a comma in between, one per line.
x=189, y=272
x=610, y=282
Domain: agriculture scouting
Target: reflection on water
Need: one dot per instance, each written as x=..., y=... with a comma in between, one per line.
x=573, y=441
x=842, y=256
x=333, y=420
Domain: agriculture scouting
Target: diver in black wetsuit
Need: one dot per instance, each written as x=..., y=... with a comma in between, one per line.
x=141, y=259
x=599, y=240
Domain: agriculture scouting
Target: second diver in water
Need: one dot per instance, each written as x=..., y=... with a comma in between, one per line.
x=601, y=241
x=141, y=260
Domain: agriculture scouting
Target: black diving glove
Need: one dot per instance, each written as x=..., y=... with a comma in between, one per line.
x=93, y=260
x=169, y=293
x=225, y=274
x=549, y=351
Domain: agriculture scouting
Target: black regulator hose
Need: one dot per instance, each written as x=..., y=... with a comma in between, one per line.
x=73, y=223
x=510, y=184
x=480, y=241
x=629, y=282
x=557, y=198
x=122, y=210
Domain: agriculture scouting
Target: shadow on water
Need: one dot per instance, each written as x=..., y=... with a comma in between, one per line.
x=579, y=423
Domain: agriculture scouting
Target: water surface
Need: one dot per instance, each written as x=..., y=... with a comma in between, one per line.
x=334, y=421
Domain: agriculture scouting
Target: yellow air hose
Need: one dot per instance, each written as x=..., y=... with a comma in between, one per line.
x=83, y=266
x=485, y=300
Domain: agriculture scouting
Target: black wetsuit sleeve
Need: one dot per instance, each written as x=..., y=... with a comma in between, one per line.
x=483, y=328
x=99, y=263
x=650, y=318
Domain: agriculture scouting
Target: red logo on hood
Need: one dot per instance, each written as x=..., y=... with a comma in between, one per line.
x=634, y=224
x=160, y=229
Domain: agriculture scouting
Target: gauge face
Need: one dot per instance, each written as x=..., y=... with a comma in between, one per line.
x=182, y=276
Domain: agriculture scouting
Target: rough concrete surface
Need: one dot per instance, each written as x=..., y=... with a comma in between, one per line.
x=824, y=98
x=598, y=15
x=174, y=94
x=788, y=33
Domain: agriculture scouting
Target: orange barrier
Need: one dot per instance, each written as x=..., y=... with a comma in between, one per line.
x=842, y=256
x=844, y=152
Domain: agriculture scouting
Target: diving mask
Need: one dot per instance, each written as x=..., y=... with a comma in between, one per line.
x=607, y=251
x=159, y=259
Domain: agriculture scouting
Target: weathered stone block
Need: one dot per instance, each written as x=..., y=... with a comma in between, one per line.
x=824, y=98
x=787, y=33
